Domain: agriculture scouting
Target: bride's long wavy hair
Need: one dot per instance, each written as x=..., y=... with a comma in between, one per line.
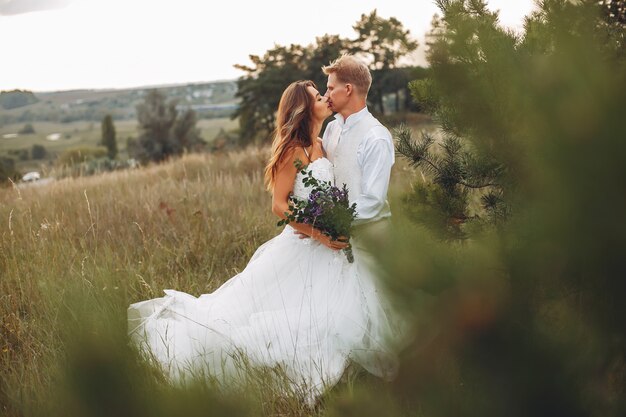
x=293, y=126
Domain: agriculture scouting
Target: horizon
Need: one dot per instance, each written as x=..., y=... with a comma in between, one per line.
x=138, y=87
x=69, y=45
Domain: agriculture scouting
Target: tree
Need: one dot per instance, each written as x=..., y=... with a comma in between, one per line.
x=614, y=13
x=28, y=129
x=324, y=50
x=613, y=24
x=162, y=132
x=38, y=152
x=260, y=89
x=7, y=169
x=185, y=132
x=108, y=136
x=525, y=316
x=473, y=98
x=477, y=103
x=382, y=42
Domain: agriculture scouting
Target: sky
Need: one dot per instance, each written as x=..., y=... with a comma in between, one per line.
x=51, y=45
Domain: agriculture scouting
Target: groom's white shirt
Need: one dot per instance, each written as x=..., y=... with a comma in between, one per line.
x=361, y=149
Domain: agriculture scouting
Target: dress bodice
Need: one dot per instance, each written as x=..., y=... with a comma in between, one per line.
x=322, y=170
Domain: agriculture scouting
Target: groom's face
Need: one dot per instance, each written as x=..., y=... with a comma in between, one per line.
x=336, y=92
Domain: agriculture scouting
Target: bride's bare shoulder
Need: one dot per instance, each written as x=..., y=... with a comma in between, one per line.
x=292, y=155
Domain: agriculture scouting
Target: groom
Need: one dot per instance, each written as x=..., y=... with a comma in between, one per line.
x=359, y=146
x=362, y=152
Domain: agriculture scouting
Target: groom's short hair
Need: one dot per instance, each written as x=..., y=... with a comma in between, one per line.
x=350, y=70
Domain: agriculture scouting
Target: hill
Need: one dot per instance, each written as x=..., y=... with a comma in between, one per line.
x=210, y=99
x=16, y=98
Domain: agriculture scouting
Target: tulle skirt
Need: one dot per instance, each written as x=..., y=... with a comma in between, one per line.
x=297, y=305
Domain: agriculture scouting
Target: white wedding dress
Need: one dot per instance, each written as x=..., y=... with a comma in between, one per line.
x=297, y=305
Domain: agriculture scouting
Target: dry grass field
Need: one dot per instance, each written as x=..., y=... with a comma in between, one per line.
x=75, y=253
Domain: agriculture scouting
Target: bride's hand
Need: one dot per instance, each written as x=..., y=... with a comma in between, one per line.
x=302, y=235
x=339, y=244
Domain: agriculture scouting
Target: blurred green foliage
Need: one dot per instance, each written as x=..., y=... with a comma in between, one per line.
x=525, y=316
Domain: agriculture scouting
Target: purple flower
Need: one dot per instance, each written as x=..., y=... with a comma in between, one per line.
x=327, y=208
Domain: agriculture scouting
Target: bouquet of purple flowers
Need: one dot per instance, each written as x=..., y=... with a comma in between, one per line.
x=327, y=209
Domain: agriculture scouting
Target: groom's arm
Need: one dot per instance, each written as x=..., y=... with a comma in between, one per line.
x=376, y=156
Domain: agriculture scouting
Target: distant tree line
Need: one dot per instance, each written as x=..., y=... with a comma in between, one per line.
x=94, y=106
x=16, y=98
x=379, y=42
x=48, y=112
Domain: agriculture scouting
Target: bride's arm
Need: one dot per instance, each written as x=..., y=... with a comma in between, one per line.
x=283, y=187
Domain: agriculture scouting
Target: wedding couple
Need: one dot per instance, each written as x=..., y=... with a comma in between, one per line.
x=299, y=305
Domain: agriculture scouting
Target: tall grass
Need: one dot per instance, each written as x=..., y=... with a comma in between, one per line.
x=76, y=252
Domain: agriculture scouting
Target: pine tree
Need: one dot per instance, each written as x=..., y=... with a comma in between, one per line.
x=477, y=96
x=108, y=136
x=525, y=318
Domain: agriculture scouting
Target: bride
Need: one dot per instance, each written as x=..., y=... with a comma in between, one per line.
x=299, y=305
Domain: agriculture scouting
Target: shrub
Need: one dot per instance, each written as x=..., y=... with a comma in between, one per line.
x=38, y=152
x=28, y=129
x=77, y=155
x=7, y=169
x=21, y=154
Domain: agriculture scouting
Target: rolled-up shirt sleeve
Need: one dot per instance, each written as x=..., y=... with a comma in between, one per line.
x=376, y=156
